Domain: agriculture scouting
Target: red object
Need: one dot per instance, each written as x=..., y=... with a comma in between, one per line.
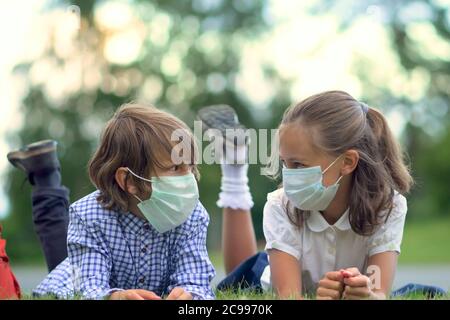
x=9, y=287
x=346, y=274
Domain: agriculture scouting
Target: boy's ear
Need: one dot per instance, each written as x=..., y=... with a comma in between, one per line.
x=351, y=159
x=121, y=179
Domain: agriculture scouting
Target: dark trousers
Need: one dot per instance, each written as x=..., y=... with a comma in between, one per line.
x=248, y=274
x=50, y=207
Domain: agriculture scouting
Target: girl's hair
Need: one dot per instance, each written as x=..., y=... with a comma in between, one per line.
x=138, y=137
x=336, y=123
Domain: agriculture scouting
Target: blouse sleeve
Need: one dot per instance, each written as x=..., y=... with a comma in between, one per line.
x=279, y=231
x=388, y=237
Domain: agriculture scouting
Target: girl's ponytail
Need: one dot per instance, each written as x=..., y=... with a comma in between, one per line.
x=389, y=151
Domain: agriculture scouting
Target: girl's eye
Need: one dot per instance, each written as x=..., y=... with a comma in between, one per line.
x=297, y=165
x=292, y=164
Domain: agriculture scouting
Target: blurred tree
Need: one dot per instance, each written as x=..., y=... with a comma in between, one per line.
x=420, y=35
x=188, y=56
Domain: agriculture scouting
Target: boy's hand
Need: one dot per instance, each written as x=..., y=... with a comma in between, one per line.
x=134, y=294
x=331, y=286
x=179, y=293
x=357, y=285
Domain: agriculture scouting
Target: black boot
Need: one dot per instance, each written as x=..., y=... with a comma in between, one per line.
x=38, y=160
x=50, y=200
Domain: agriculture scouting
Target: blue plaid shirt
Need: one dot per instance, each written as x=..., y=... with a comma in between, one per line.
x=110, y=251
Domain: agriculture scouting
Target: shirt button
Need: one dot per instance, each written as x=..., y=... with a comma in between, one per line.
x=144, y=250
x=146, y=226
x=142, y=280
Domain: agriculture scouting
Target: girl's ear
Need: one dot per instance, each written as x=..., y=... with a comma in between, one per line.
x=351, y=158
x=121, y=179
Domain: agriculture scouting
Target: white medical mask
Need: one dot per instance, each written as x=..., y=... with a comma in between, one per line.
x=172, y=200
x=304, y=188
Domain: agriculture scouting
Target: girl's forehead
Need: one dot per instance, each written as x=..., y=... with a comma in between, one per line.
x=296, y=142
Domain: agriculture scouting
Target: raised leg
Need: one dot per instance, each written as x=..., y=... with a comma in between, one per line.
x=50, y=200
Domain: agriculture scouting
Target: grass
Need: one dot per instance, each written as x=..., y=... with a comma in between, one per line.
x=426, y=242
x=253, y=295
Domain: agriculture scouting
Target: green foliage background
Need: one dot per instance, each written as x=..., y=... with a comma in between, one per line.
x=232, y=23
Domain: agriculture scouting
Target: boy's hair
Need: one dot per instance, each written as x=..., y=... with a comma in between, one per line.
x=337, y=122
x=137, y=137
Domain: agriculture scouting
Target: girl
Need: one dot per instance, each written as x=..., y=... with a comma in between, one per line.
x=339, y=213
x=142, y=234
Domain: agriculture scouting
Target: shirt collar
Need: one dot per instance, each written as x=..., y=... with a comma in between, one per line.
x=317, y=223
x=133, y=223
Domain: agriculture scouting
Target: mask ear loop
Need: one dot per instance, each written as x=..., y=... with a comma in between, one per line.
x=323, y=172
x=137, y=197
x=139, y=177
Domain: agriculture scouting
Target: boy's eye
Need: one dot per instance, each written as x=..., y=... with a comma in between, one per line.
x=181, y=168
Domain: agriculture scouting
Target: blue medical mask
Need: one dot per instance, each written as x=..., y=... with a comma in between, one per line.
x=304, y=188
x=172, y=200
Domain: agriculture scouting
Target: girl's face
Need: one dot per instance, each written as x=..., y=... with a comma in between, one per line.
x=298, y=151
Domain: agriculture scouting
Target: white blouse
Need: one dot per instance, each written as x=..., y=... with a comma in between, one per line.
x=320, y=247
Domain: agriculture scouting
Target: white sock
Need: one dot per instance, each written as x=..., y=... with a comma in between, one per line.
x=235, y=193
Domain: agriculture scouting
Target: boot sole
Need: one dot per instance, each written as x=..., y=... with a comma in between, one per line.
x=206, y=114
x=32, y=150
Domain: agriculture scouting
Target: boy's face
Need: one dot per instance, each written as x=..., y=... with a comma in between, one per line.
x=169, y=169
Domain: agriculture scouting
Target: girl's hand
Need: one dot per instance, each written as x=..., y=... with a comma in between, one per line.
x=357, y=285
x=331, y=286
x=134, y=294
x=179, y=293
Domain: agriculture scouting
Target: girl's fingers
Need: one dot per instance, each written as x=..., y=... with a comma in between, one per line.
x=346, y=274
x=325, y=292
x=363, y=292
x=334, y=275
x=175, y=293
x=353, y=272
x=330, y=284
x=358, y=281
